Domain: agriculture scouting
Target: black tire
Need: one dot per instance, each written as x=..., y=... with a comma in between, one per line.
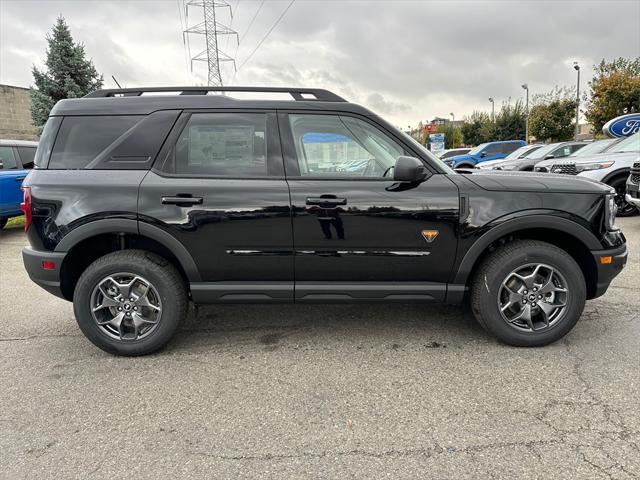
x=157, y=271
x=3, y=222
x=487, y=283
x=625, y=209
x=464, y=165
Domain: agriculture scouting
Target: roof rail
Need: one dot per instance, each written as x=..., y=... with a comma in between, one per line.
x=298, y=94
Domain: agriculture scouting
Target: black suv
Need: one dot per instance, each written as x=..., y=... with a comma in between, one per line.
x=142, y=202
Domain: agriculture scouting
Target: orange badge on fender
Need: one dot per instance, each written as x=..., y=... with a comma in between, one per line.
x=430, y=235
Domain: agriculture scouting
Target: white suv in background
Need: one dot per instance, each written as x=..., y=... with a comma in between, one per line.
x=611, y=167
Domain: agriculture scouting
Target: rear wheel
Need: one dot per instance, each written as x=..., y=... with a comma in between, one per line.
x=130, y=302
x=528, y=293
x=625, y=209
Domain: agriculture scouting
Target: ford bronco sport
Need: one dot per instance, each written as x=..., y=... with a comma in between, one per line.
x=141, y=203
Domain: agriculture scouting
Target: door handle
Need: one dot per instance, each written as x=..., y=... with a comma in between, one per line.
x=327, y=201
x=178, y=200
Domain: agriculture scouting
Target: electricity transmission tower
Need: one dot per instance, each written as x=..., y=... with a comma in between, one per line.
x=211, y=29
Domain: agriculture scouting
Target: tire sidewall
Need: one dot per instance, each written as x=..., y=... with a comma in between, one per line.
x=152, y=272
x=562, y=262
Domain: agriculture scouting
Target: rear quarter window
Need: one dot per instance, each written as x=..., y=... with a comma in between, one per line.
x=81, y=139
x=27, y=154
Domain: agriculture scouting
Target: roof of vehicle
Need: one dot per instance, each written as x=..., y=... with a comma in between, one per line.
x=142, y=101
x=17, y=143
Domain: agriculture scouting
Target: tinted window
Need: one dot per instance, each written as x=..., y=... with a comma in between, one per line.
x=493, y=149
x=81, y=139
x=45, y=144
x=221, y=144
x=7, y=159
x=331, y=145
x=27, y=154
x=509, y=147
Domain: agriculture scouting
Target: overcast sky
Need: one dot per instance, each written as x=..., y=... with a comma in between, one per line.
x=407, y=60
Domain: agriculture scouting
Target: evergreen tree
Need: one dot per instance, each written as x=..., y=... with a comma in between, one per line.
x=69, y=74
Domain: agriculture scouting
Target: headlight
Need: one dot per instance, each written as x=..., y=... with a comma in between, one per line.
x=611, y=209
x=583, y=167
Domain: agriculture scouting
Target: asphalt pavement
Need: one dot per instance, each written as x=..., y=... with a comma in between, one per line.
x=338, y=391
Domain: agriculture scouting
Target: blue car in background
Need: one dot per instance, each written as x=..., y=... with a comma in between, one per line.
x=485, y=152
x=16, y=159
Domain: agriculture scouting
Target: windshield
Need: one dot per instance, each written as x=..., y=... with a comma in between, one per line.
x=595, y=147
x=631, y=144
x=478, y=149
x=517, y=153
x=542, y=151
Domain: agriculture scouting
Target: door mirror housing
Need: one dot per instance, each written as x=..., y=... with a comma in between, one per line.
x=483, y=154
x=409, y=169
x=549, y=156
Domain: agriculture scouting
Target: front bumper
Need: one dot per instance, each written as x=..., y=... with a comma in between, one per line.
x=633, y=193
x=49, y=279
x=608, y=268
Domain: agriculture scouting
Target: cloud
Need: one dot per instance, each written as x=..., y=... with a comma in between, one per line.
x=407, y=60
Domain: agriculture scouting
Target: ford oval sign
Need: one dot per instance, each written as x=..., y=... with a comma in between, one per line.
x=622, y=126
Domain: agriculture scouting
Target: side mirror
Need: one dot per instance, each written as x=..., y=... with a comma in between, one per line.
x=409, y=169
x=483, y=154
x=549, y=156
x=1, y=165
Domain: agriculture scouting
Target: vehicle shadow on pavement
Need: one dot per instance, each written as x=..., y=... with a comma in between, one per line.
x=321, y=326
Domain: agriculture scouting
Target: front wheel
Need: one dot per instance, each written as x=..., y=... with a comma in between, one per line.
x=130, y=302
x=528, y=293
x=625, y=209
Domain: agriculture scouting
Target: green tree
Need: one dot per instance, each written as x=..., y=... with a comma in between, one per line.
x=510, y=122
x=69, y=74
x=474, y=128
x=552, y=117
x=614, y=90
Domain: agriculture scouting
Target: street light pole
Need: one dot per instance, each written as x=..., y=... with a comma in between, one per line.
x=577, y=68
x=453, y=117
x=526, y=135
x=493, y=108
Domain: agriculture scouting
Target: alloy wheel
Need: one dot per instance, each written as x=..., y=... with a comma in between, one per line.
x=126, y=306
x=533, y=297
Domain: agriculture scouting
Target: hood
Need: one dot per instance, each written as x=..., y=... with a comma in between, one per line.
x=505, y=181
x=596, y=157
x=492, y=163
x=460, y=158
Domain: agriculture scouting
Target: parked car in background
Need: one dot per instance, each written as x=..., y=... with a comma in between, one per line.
x=553, y=150
x=611, y=167
x=598, y=146
x=16, y=157
x=452, y=152
x=516, y=154
x=485, y=152
x=633, y=186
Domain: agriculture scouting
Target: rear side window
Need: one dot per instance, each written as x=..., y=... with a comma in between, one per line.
x=81, y=139
x=7, y=159
x=221, y=144
x=27, y=155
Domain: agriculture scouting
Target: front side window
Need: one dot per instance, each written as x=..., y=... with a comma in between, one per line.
x=7, y=159
x=509, y=147
x=221, y=144
x=493, y=149
x=342, y=146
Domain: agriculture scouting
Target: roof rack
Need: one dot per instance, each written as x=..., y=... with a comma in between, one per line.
x=298, y=94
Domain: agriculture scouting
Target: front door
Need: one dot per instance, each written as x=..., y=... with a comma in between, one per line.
x=219, y=189
x=357, y=234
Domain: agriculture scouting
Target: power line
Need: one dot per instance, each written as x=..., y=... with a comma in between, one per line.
x=211, y=29
x=182, y=28
x=253, y=19
x=266, y=35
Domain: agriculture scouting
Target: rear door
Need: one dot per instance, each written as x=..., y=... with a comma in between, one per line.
x=358, y=235
x=11, y=177
x=218, y=187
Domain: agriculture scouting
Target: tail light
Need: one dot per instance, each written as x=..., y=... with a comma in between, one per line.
x=25, y=206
